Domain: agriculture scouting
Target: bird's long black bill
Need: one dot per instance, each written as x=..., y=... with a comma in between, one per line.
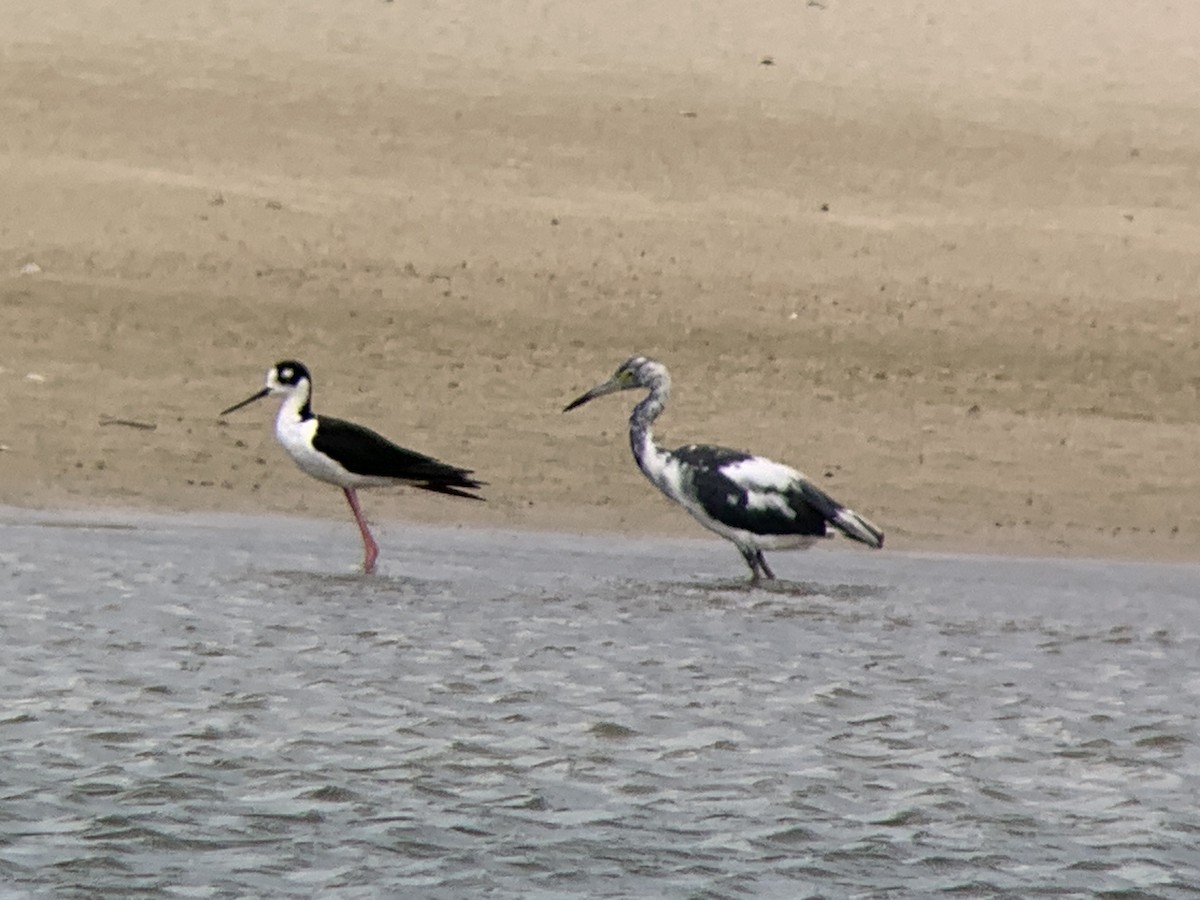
x=598, y=391
x=246, y=402
x=578, y=401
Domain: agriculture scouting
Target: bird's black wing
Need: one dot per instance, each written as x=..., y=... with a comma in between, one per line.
x=725, y=483
x=364, y=452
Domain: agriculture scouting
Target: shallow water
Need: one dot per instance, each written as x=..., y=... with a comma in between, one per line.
x=220, y=707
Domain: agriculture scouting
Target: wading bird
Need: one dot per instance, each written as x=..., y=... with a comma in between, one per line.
x=350, y=455
x=750, y=500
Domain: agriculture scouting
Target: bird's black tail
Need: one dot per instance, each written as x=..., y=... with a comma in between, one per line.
x=847, y=521
x=454, y=490
x=855, y=527
x=443, y=479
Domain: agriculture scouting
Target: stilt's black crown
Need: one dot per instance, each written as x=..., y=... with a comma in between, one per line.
x=289, y=371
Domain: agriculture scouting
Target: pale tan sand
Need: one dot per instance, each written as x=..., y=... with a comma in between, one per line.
x=942, y=256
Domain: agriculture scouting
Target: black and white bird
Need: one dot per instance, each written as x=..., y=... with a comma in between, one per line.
x=350, y=455
x=750, y=500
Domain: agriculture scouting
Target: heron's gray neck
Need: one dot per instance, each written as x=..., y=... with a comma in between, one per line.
x=641, y=435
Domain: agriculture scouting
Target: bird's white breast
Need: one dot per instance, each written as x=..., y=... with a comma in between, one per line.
x=296, y=436
x=663, y=470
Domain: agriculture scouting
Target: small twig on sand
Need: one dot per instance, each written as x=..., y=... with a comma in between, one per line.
x=128, y=423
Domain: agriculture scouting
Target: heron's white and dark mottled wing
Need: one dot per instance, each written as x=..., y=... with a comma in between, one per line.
x=747, y=492
x=755, y=494
x=365, y=452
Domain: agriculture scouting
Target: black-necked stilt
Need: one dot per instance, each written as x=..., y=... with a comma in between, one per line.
x=350, y=455
x=754, y=502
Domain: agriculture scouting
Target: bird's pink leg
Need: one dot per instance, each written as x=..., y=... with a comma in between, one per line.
x=370, y=548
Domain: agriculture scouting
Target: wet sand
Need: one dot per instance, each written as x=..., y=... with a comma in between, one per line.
x=942, y=258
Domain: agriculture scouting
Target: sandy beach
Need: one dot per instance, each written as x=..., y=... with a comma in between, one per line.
x=940, y=256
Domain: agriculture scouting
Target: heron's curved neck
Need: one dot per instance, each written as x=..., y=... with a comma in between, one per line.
x=641, y=434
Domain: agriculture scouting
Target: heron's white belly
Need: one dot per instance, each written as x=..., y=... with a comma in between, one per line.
x=744, y=538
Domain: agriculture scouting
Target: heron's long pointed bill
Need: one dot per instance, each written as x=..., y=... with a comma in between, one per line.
x=598, y=391
x=246, y=402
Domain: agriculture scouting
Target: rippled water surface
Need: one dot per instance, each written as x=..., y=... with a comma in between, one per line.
x=220, y=707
